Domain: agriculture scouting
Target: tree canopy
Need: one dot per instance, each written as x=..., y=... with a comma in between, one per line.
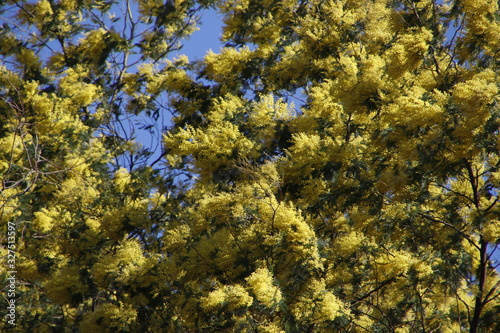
x=333, y=168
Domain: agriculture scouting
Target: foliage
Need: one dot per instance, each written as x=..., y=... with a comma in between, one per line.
x=334, y=168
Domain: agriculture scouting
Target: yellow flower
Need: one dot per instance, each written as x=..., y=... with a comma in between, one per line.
x=261, y=283
x=235, y=296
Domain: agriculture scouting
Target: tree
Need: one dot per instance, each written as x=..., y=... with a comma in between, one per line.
x=334, y=168
x=79, y=190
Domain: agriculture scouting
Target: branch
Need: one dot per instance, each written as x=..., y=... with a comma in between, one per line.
x=473, y=182
x=383, y=284
x=479, y=303
x=453, y=227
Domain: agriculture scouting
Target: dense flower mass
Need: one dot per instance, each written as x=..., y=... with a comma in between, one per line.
x=333, y=168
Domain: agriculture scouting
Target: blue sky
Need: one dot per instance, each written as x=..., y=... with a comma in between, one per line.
x=206, y=38
x=199, y=43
